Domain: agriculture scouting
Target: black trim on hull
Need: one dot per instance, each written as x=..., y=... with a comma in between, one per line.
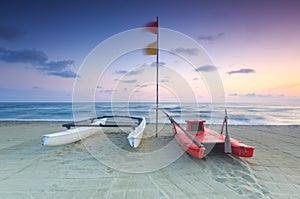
x=91, y=120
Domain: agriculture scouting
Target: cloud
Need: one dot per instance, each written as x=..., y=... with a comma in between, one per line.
x=211, y=37
x=37, y=88
x=187, y=51
x=135, y=72
x=159, y=64
x=39, y=61
x=64, y=74
x=137, y=91
x=108, y=91
x=254, y=95
x=258, y=95
x=121, y=72
x=164, y=81
x=57, y=65
x=251, y=95
x=241, y=71
x=30, y=56
x=206, y=68
x=130, y=72
x=9, y=33
x=141, y=86
x=131, y=81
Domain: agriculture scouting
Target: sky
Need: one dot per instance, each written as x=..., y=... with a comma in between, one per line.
x=254, y=46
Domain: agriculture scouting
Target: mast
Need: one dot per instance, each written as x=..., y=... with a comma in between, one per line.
x=156, y=123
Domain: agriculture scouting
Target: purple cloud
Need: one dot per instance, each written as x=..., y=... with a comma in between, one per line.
x=64, y=74
x=121, y=72
x=233, y=94
x=159, y=64
x=39, y=60
x=109, y=92
x=254, y=95
x=131, y=81
x=206, y=68
x=211, y=37
x=130, y=72
x=242, y=71
x=30, y=56
x=187, y=51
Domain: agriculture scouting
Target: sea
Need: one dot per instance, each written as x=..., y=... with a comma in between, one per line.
x=238, y=113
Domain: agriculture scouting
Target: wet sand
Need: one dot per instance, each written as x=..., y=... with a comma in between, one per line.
x=80, y=170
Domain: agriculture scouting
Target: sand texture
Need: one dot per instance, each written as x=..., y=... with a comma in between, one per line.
x=30, y=170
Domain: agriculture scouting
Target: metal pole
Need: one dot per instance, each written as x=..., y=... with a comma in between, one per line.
x=156, y=124
x=227, y=144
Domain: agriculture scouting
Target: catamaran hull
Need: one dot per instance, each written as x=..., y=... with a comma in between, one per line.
x=68, y=136
x=83, y=131
x=136, y=134
x=187, y=144
x=209, y=137
x=242, y=150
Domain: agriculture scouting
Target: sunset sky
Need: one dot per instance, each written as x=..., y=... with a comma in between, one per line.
x=254, y=46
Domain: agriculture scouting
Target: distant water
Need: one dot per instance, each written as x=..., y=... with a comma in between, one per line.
x=238, y=113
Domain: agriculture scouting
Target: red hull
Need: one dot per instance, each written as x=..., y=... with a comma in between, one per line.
x=241, y=150
x=187, y=144
x=207, y=136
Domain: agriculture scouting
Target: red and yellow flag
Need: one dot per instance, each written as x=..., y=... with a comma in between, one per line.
x=152, y=27
x=150, y=49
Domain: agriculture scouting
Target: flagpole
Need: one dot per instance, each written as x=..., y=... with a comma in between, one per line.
x=156, y=124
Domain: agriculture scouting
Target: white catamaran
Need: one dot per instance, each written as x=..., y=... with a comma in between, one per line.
x=82, y=130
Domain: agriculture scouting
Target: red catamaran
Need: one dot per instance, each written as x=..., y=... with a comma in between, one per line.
x=197, y=139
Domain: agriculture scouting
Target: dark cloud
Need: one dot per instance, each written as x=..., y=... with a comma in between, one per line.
x=8, y=33
x=30, y=56
x=211, y=37
x=242, y=71
x=187, y=51
x=57, y=65
x=206, y=68
x=39, y=61
x=64, y=74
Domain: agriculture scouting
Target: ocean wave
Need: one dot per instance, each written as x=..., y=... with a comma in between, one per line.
x=238, y=113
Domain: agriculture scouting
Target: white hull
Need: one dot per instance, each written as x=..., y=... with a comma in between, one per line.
x=70, y=136
x=136, y=135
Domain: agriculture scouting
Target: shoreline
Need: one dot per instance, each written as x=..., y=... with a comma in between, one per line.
x=28, y=169
x=152, y=123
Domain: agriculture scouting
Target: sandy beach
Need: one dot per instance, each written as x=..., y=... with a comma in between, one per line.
x=30, y=170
